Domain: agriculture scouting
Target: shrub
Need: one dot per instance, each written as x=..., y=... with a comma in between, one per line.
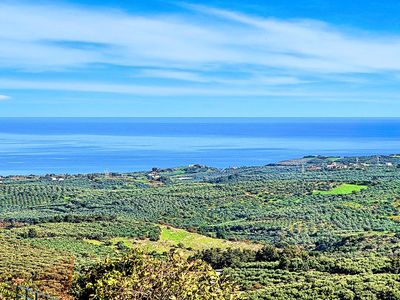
x=143, y=277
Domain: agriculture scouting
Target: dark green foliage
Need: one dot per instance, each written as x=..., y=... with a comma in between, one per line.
x=219, y=258
x=267, y=253
x=121, y=246
x=32, y=233
x=101, y=230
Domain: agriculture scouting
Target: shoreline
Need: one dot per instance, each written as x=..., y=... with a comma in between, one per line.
x=308, y=160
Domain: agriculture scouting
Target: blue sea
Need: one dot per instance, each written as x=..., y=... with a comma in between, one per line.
x=85, y=145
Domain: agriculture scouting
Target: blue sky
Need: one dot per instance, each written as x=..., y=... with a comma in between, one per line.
x=203, y=58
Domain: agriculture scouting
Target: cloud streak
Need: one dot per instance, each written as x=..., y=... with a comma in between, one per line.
x=210, y=78
x=145, y=90
x=200, y=52
x=306, y=95
x=54, y=36
x=4, y=97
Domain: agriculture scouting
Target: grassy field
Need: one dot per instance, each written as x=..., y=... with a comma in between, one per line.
x=342, y=189
x=196, y=241
x=189, y=241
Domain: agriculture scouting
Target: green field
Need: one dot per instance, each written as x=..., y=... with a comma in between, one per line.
x=188, y=241
x=343, y=189
x=195, y=241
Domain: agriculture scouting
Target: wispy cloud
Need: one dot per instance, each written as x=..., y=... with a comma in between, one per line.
x=315, y=45
x=197, y=77
x=146, y=90
x=4, y=97
x=201, y=51
x=172, y=74
x=68, y=36
x=299, y=94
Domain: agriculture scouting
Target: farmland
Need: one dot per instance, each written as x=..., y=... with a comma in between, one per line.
x=273, y=229
x=343, y=189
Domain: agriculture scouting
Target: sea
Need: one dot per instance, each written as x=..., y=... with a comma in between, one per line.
x=89, y=145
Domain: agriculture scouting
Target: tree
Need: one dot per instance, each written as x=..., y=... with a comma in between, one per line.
x=267, y=253
x=142, y=276
x=121, y=246
x=32, y=233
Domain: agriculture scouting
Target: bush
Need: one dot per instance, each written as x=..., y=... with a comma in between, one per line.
x=222, y=258
x=143, y=277
x=267, y=253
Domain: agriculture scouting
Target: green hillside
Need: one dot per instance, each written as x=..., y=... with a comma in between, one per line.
x=292, y=230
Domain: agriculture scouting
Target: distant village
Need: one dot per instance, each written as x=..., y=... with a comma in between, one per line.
x=307, y=163
x=342, y=163
x=342, y=166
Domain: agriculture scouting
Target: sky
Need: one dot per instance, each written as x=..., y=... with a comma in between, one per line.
x=166, y=58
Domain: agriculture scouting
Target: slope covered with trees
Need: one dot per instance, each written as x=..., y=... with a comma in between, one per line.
x=312, y=228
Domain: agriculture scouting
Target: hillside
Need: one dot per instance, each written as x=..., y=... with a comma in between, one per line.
x=332, y=224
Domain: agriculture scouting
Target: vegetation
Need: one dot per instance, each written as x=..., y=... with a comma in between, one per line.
x=142, y=276
x=343, y=189
x=313, y=228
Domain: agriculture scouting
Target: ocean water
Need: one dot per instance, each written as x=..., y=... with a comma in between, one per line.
x=84, y=145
